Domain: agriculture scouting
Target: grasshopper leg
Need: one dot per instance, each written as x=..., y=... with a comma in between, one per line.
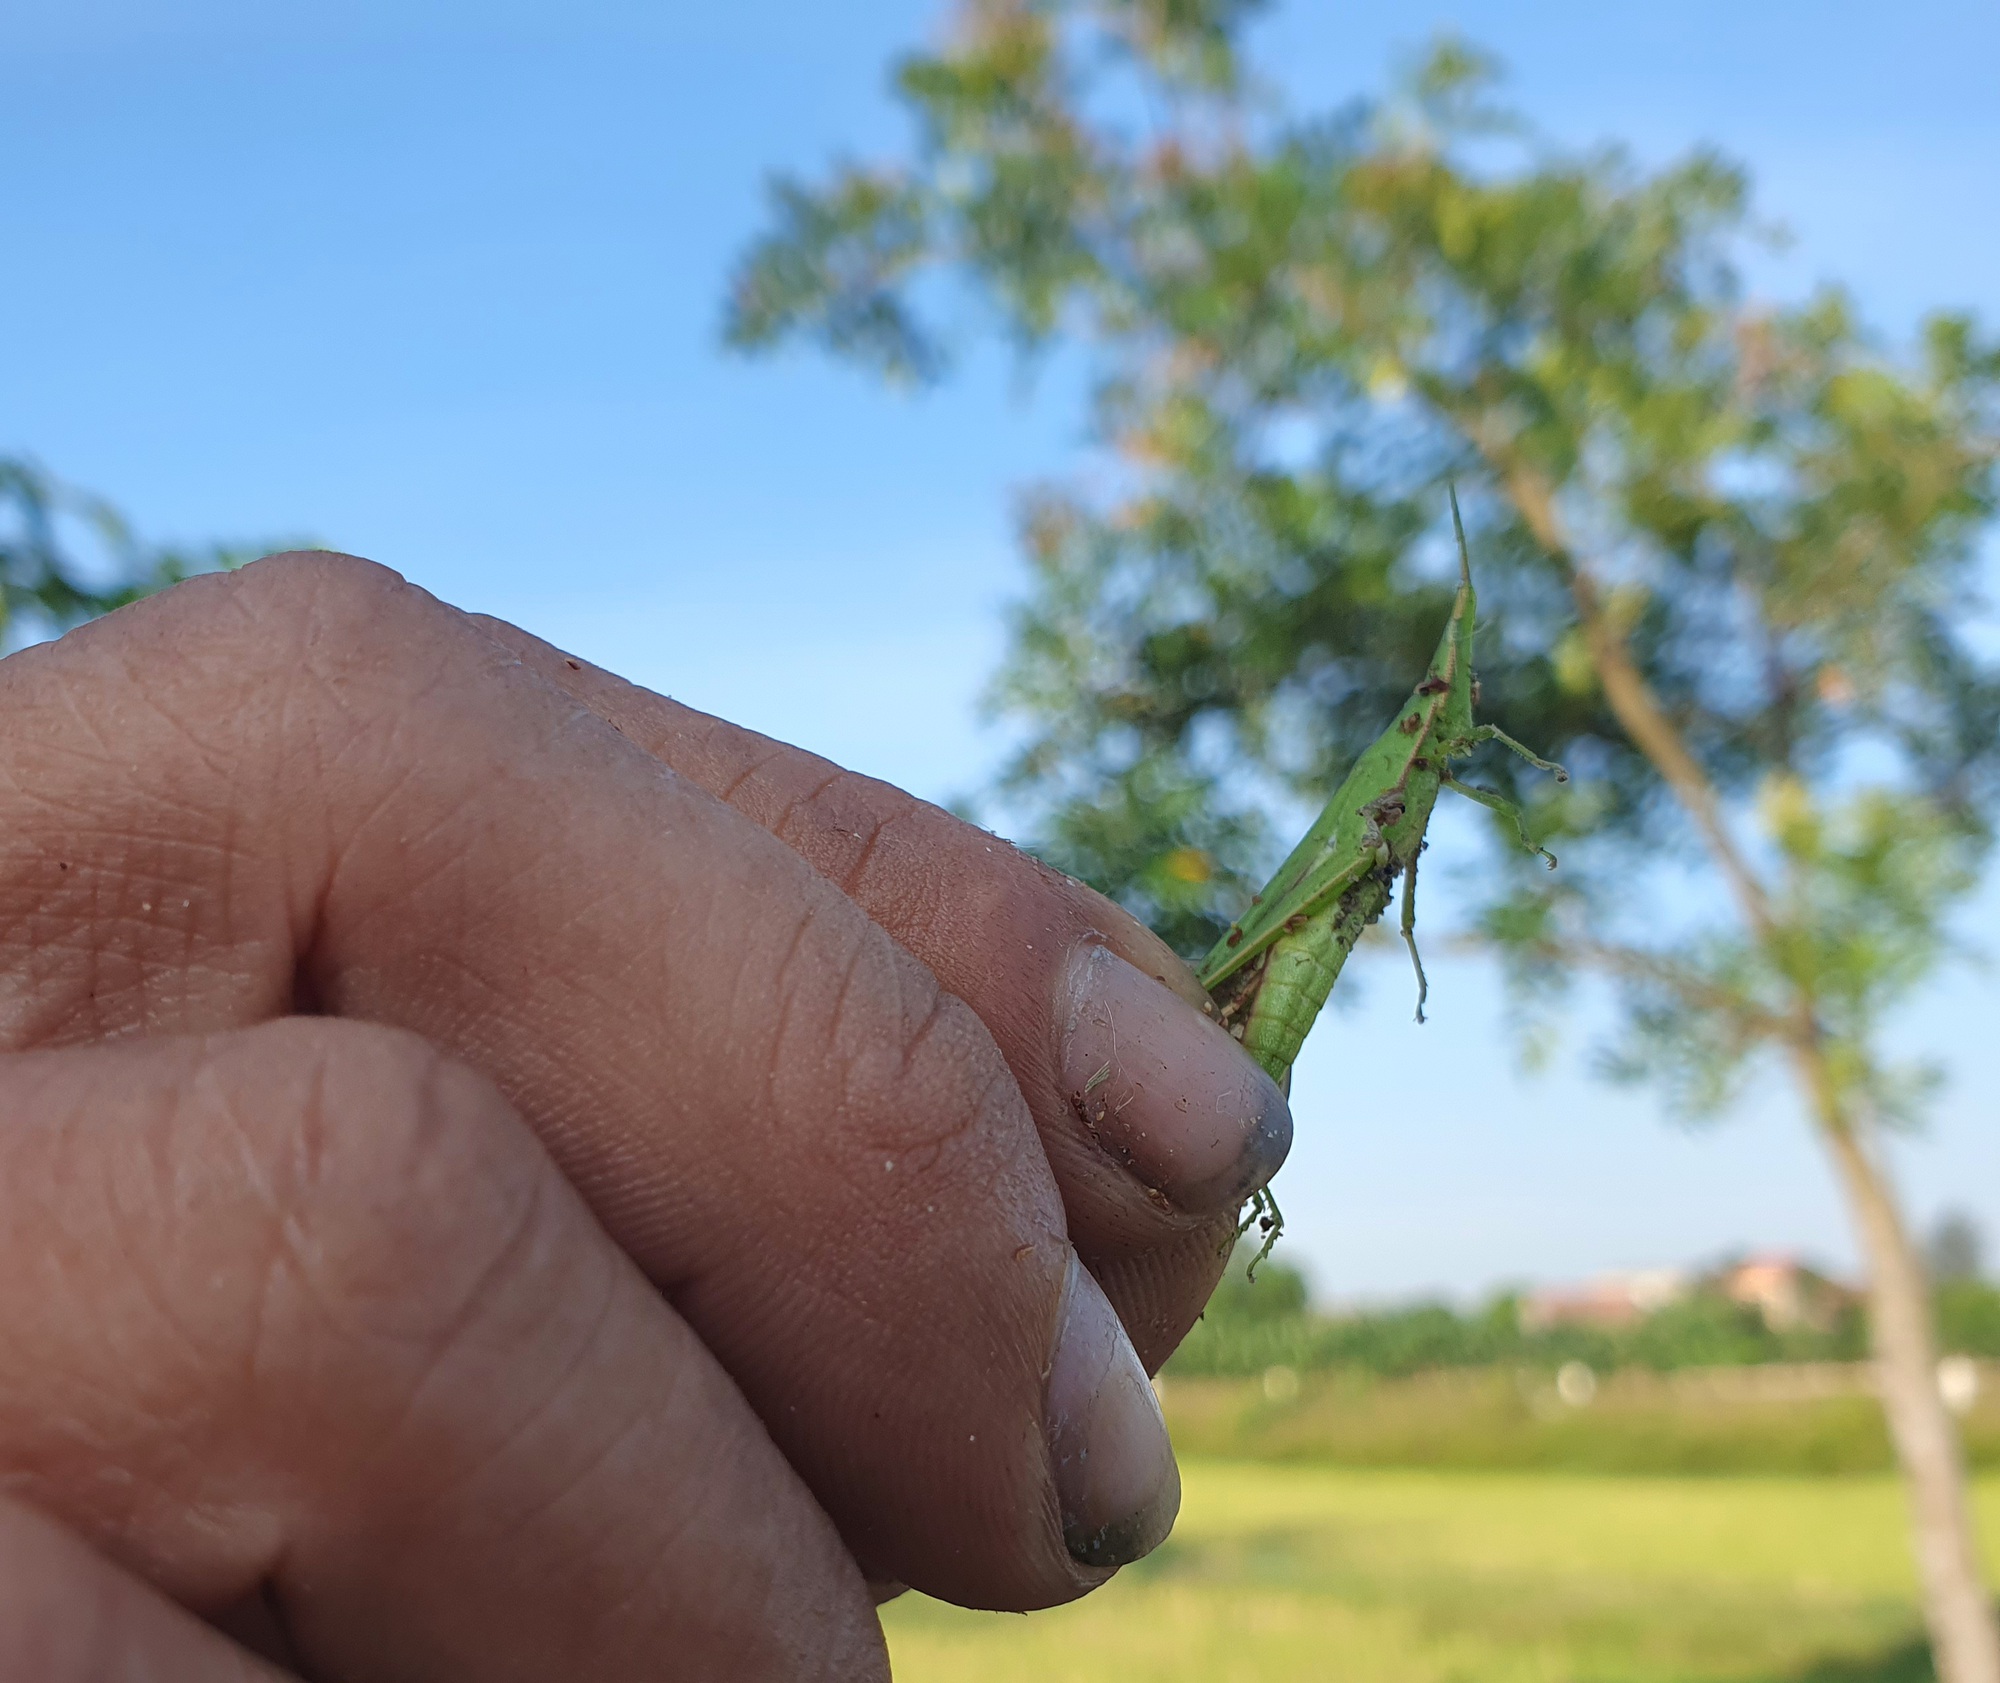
x=1500, y=804
x=1493, y=733
x=1410, y=934
x=1262, y=1213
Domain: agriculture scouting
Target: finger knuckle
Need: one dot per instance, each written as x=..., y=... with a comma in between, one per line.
x=315, y=586
x=335, y=628
x=399, y=1180
x=924, y=1095
x=856, y=831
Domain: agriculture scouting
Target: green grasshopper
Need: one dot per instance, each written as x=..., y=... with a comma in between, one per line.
x=1272, y=970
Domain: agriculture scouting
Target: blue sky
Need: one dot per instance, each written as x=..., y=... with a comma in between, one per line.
x=438, y=282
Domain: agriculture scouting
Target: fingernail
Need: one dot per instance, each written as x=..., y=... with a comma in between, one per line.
x=1166, y=1089
x=1114, y=1467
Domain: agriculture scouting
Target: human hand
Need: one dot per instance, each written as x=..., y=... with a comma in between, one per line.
x=485, y=1176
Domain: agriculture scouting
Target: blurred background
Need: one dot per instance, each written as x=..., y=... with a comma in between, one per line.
x=447, y=285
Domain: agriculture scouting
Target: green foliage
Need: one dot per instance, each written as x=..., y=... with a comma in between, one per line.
x=1107, y=833
x=67, y=556
x=870, y=229
x=1725, y=550
x=1968, y=1316
x=1250, y=1327
x=1245, y=1332
x=1278, y=1296
x=1860, y=919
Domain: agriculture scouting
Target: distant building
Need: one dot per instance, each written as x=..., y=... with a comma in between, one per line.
x=1611, y=1300
x=1785, y=1292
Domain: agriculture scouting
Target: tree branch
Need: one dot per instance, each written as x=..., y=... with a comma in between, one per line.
x=1632, y=699
x=1636, y=964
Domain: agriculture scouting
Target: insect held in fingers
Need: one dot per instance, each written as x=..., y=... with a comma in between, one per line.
x=1269, y=975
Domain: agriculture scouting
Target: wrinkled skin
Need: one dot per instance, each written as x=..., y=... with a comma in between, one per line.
x=504, y=1176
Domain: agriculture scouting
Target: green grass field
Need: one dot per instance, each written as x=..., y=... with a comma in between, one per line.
x=1499, y=1419
x=1289, y=1572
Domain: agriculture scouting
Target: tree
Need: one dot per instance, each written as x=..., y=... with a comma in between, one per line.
x=1956, y=1248
x=67, y=556
x=1725, y=549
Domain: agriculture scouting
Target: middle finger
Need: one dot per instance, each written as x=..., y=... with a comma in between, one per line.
x=1156, y=1123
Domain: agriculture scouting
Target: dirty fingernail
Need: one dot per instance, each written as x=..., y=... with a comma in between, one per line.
x=1114, y=1467
x=1166, y=1089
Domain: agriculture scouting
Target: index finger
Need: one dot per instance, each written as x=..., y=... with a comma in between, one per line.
x=1156, y=1123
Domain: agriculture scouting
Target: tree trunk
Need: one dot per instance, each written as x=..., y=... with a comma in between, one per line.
x=1965, y=1645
